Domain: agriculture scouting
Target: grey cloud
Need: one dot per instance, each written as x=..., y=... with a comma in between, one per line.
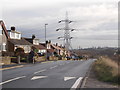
x=31, y=21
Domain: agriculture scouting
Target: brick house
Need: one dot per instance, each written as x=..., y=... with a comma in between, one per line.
x=58, y=49
x=3, y=37
x=16, y=41
x=36, y=45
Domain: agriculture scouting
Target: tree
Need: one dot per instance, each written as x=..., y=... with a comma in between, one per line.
x=19, y=52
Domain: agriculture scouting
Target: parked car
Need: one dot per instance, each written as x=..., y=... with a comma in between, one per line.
x=68, y=58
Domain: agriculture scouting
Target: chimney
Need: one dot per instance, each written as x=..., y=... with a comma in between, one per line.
x=49, y=41
x=33, y=36
x=46, y=42
x=56, y=44
x=13, y=28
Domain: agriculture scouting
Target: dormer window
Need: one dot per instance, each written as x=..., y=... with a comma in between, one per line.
x=14, y=34
x=48, y=46
x=36, y=41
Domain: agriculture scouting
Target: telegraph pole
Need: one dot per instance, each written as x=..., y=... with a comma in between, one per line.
x=45, y=41
x=67, y=38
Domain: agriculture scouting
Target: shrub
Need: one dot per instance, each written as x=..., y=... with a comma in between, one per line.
x=19, y=51
x=106, y=70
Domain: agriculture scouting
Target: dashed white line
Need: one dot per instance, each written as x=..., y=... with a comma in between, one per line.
x=11, y=80
x=40, y=71
x=38, y=77
x=76, y=84
x=53, y=67
x=62, y=64
x=68, y=78
x=68, y=62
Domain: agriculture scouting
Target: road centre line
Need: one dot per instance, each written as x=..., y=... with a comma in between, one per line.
x=40, y=71
x=53, y=67
x=12, y=80
x=76, y=84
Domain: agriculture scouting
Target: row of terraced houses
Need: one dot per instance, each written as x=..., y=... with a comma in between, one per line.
x=12, y=39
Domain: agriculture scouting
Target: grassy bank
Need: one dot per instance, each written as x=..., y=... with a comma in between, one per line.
x=107, y=70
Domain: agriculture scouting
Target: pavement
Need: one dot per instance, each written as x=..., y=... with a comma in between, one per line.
x=55, y=74
x=14, y=65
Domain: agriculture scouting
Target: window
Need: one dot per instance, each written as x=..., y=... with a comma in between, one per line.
x=17, y=36
x=48, y=46
x=0, y=30
x=36, y=42
x=4, y=47
x=12, y=35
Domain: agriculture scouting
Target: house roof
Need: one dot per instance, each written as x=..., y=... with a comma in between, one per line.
x=13, y=31
x=50, y=50
x=39, y=46
x=21, y=41
x=43, y=44
x=56, y=47
x=4, y=28
x=29, y=40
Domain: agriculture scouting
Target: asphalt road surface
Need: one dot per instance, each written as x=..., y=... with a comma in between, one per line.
x=57, y=74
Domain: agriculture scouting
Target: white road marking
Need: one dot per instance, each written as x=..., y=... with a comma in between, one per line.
x=76, y=84
x=62, y=64
x=53, y=67
x=38, y=77
x=40, y=71
x=68, y=78
x=11, y=80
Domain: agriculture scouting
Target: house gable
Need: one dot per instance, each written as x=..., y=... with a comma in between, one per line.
x=3, y=37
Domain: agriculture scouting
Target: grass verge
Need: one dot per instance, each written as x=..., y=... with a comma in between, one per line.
x=107, y=70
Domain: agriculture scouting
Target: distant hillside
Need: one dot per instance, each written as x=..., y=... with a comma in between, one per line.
x=96, y=52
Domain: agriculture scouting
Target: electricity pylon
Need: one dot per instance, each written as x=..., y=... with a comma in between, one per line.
x=67, y=38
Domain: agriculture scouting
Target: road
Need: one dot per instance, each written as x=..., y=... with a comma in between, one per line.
x=57, y=74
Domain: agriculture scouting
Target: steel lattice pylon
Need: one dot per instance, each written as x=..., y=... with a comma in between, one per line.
x=67, y=38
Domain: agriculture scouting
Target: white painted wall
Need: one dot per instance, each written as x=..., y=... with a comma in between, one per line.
x=0, y=30
x=14, y=35
x=42, y=51
x=36, y=41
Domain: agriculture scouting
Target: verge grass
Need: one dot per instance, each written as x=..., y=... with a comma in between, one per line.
x=107, y=70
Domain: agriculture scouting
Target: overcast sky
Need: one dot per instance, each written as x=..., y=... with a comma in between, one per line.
x=96, y=20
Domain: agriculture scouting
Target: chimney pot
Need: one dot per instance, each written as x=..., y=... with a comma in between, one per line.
x=56, y=44
x=33, y=36
x=49, y=41
x=13, y=28
x=46, y=42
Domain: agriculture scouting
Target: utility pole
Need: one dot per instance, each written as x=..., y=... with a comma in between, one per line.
x=67, y=38
x=45, y=41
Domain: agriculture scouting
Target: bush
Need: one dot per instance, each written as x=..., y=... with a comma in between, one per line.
x=19, y=51
x=104, y=71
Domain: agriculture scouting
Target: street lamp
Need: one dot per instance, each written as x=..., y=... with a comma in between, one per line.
x=45, y=41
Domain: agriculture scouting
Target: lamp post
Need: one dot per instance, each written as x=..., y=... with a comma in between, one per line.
x=45, y=41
